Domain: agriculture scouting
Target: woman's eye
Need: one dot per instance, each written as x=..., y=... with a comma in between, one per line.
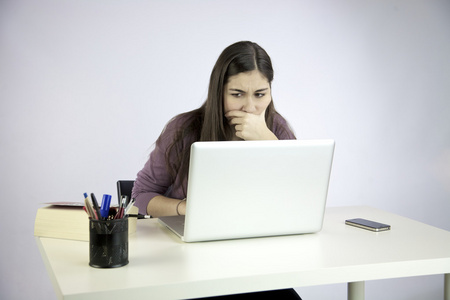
x=259, y=95
x=237, y=95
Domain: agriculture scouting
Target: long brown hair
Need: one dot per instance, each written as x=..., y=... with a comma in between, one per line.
x=208, y=123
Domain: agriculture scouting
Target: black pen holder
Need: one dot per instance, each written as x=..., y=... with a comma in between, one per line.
x=108, y=243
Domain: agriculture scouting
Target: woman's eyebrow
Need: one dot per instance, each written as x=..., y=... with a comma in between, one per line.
x=241, y=91
x=236, y=90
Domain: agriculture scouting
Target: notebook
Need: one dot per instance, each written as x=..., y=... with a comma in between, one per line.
x=250, y=189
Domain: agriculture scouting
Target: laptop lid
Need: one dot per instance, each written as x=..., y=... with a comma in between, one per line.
x=256, y=188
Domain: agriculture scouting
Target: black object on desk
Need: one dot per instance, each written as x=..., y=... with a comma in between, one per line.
x=108, y=243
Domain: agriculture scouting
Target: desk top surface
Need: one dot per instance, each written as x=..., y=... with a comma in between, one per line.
x=163, y=266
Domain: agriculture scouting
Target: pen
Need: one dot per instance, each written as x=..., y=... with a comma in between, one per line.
x=86, y=205
x=89, y=209
x=95, y=205
x=85, y=209
x=120, y=211
x=139, y=216
x=129, y=206
x=106, y=203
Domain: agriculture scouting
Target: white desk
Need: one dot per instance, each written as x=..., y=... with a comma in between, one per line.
x=163, y=267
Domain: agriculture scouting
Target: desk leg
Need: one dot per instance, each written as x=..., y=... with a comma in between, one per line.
x=355, y=290
x=447, y=286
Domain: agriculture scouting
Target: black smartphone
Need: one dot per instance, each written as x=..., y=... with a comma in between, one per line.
x=369, y=225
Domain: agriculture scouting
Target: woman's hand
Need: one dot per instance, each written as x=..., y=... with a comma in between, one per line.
x=250, y=126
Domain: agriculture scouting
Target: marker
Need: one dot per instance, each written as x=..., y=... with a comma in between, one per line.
x=106, y=203
x=95, y=205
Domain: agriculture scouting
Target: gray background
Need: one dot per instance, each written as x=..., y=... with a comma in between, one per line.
x=86, y=87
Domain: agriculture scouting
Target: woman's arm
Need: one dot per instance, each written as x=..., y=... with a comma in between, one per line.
x=155, y=190
x=164, y=206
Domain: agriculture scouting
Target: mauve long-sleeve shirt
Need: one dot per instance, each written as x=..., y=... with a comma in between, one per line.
x=154, y=178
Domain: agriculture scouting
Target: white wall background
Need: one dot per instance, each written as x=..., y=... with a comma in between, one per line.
x=86, y=87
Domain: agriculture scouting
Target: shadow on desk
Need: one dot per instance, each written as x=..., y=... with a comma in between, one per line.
x=277, y=294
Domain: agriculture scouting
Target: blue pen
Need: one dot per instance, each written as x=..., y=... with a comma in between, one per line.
x=106, y=203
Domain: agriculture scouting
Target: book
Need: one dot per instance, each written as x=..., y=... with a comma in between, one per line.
x=68, y=220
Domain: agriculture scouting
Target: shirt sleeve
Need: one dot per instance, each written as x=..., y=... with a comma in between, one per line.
x=281, y=128
x=154, y=178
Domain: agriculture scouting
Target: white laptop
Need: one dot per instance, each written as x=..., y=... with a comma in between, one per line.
x=246, y=189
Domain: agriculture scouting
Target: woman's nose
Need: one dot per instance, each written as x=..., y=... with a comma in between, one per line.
x=249, y=105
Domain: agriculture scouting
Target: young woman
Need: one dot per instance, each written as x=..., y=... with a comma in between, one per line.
x=239, y=107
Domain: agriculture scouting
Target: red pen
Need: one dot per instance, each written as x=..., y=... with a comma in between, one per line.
x=119, y=214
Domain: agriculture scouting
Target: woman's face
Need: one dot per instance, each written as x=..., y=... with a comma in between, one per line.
x=248, y=91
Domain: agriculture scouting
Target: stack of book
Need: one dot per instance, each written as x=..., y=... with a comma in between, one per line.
x=68, y=220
